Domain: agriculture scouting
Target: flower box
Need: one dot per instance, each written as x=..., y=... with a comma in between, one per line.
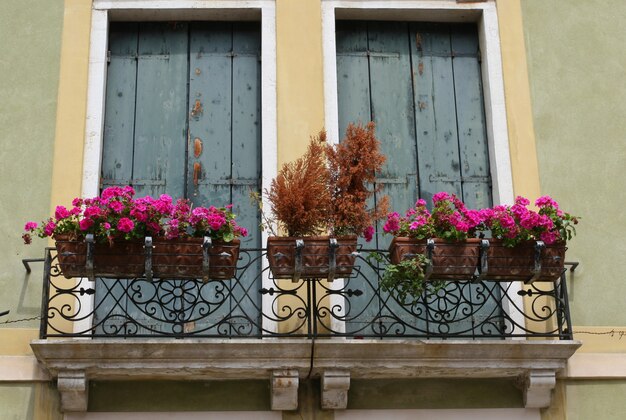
x=180, y=258
x=528, y=245
x=118, y=232
x=313, y=259
x=518, y=262
x=462, y=260
x=449, y=261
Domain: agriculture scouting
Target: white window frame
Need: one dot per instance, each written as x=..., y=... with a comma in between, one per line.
x=106, y=11
x=485, y=15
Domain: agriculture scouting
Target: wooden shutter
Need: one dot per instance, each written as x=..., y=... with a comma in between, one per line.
x=421, y=85
x=182, y=117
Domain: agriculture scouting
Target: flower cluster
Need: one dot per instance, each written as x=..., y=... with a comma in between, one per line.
x=117, y=215
x=451, y=220
x=517, y=223
x=416, y=223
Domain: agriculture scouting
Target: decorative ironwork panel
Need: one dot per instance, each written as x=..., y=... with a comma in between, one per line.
x=307, y=308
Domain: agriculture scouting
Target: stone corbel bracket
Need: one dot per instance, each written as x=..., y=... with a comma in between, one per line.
x=73, y=386
x=285, y=389
x=537, y=386
x=335, y=385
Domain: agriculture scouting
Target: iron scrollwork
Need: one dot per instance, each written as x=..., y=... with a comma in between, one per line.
x=253, y=305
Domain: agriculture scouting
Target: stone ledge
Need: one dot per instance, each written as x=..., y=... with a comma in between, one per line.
x=206, y=359
x=256, y=359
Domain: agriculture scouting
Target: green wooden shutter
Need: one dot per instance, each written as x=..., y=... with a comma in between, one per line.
x=182, y=117
x=225, y=100
x=421, y=85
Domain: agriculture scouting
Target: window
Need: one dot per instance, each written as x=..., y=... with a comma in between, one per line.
x=421, y=84
x=183, y=117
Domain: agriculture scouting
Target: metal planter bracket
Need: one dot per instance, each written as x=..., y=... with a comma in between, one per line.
x=148, y=258
x=297, y=270
x=539, y=247
x=483, y=264
x=89, y=260
x=206, y=245
x=430, y=248
x=332, y=258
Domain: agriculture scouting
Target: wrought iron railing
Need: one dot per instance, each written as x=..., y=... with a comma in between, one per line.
x=253, y=305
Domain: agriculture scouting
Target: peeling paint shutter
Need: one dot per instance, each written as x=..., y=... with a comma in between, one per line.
x=182, y=117
x=421, y=85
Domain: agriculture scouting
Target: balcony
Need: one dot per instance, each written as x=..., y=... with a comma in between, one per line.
x=254, y=327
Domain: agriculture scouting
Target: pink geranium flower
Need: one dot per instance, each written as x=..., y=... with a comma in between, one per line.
x=368, y=233
x=49, y=228
x=116, y=211
x=61, y=213
x=30, y=226
x=85, y=224
x=116, y=206
x=125, y=225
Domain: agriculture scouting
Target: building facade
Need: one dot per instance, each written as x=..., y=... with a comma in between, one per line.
x=533, y=86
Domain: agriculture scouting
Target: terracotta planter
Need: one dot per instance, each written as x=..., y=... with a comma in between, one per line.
x=315, y=257
x=518, y=263
x=180, y=258
x=450, y=260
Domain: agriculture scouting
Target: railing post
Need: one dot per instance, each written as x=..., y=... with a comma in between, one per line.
x=45, y=294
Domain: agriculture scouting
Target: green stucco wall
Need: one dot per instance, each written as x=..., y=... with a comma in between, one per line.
x=20, y=401
x=577, y=65
x=594, y=400
x=30, y=31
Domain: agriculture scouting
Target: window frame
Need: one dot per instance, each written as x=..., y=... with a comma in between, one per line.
x=449, y=11
x=105, y=11
x=432, y=11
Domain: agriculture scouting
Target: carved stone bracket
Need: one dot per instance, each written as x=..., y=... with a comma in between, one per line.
x=335, y=385
x=74, y=389
x=537, y=386
x=285, y=389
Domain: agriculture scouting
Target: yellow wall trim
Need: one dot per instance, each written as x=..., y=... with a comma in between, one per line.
x=299, y=74
x=524, y=165
x=604, y=339
x=597, y=366
x=21, y=369
x=16, y=341
x=67, y=169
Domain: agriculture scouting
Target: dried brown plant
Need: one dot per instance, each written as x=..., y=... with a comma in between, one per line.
x=353, y=165
x=299, y=195
x=326, y=191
